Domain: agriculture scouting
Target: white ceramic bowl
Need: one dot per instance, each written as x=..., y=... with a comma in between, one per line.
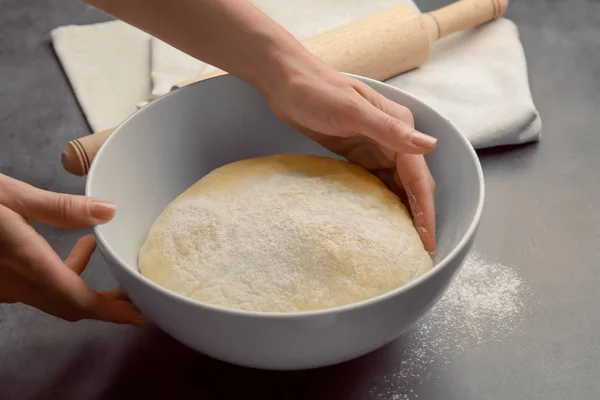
x=171, y=143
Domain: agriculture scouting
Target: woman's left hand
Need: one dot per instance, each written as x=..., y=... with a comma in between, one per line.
x=351, y=119
x=32, y=273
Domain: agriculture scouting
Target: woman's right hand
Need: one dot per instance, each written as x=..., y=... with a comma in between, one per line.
x=341, y=113
x=353, y=120
x=33, y=274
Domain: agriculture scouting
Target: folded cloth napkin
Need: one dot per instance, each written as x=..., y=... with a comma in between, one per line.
x=108, y=66
x=478, y=78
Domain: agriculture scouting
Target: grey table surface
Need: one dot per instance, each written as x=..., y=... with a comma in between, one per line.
x=541, y=218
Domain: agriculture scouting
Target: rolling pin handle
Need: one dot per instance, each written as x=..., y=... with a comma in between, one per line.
x=78, y=155
x=463, y=15
x=74, y=159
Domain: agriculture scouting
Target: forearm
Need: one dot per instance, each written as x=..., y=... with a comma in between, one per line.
x=232, y=35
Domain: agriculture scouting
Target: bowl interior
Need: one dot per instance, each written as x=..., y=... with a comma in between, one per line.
x=171, y=143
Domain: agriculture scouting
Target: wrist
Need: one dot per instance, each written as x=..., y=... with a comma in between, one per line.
x=281, y=60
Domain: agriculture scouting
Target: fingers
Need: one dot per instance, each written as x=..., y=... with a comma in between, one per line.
x=420, y=190
x=43, y=280
x=106, y=306
x=391, y=125
x=68, y=211
x=115, y=294
x=63, y=210
x=111, y=305
x=81, y=254
x=412, y=170
x=395, y=134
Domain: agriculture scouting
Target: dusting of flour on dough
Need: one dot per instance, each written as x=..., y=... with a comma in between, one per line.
x=282, y=234
x=484, y=303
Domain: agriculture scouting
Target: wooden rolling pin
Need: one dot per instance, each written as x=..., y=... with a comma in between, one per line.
x=379, y=46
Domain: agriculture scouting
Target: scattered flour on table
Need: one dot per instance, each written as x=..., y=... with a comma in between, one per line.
x=484, y=303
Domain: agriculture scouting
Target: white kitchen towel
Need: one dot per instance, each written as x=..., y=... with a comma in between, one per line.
x=108, y=66
x=478, y=78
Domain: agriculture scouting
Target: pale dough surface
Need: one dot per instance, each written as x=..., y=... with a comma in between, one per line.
x=284, y=233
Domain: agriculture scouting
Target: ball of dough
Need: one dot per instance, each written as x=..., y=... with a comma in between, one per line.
x=284, y=233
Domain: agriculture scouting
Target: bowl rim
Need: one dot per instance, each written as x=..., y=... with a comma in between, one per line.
x=437, y=269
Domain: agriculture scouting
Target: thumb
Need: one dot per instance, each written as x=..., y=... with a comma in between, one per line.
x=58, y=209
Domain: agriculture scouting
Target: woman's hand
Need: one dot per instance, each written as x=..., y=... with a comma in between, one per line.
x=32, y=273
x=341, y=113
x=351, y=119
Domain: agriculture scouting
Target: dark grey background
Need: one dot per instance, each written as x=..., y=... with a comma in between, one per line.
x=541, y=218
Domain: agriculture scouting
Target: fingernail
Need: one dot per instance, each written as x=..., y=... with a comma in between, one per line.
x=423, y=140
x=102, y=210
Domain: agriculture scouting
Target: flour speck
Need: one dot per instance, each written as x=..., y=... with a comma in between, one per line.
x=484, y=303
